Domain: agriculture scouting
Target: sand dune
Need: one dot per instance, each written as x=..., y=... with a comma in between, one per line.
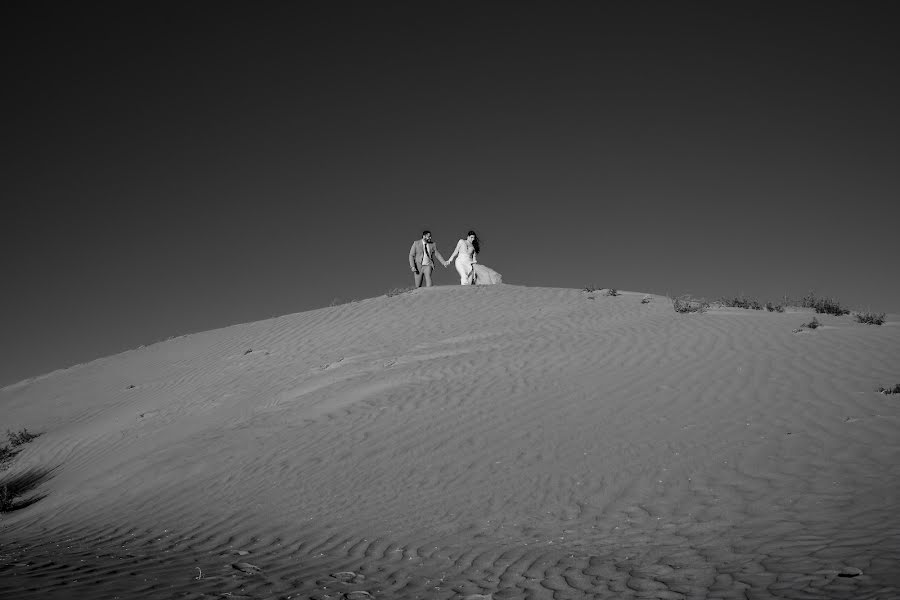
x=453, y=442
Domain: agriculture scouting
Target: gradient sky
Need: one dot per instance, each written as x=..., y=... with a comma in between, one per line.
x=176, y=168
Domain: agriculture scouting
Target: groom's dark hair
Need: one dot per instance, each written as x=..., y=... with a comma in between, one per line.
x=424, y=232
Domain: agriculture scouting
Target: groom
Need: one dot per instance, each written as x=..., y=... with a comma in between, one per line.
x=421, y=259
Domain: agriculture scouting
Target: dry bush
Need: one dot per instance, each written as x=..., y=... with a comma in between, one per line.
x=398, y=290
x=814, y=324
x=14, y=487
x=870, y=318
x=823, y=305
x=687, y=304
x=23, y=436
x=741, y=302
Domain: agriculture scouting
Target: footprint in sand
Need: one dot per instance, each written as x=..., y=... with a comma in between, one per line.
x=348, y=577
x=345, y=577
x=247, y=568
x=331, y=364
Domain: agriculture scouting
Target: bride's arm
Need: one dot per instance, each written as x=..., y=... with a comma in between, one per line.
x=455, y=252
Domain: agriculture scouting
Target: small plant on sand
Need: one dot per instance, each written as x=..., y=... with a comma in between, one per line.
x=646, y=299
x=823, y=305
x=591, y=288
x=398, y=290
x=12, y=488
x=741, y=302
x=888, y=390
x=687, y=304
x=870, y=318
x=814, y=324
x=611, y=292
x=23, y=436
x=774, y=307
x=6, y=499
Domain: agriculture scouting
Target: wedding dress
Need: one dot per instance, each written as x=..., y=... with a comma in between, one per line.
x=470, y=271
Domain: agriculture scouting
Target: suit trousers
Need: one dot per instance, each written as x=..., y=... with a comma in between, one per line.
x=424, y=273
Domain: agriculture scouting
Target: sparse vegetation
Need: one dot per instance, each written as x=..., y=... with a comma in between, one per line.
x=870, y=318
x=741, y=302
x=646, y=299
x=12, y=488
x=888, y=390
x=687, y=304
x=399, y=290
x=774, y=307
x=16, y=439
x=823, y=305
x=6, y=499
x=814, y=324
x=23, y=436
x=590, y=289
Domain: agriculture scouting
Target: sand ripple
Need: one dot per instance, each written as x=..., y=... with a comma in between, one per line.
x=498, y=442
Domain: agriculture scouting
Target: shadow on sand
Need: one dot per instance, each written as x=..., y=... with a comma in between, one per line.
x=14, y=487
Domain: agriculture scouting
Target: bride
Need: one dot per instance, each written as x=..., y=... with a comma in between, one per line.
x=470, y=272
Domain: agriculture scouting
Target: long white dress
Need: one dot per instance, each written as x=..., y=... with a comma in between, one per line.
x=470, y=271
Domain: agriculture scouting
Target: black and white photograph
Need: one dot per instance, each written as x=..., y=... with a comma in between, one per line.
x=495, y=300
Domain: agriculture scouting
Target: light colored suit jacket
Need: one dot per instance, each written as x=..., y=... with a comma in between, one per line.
x=417, y=254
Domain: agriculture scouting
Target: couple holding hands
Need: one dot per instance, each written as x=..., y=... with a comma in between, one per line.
x=422, y=256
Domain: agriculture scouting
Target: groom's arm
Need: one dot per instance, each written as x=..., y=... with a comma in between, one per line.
x=412, y=257
x=438, y=254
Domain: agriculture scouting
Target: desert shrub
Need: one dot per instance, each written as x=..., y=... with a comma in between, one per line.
x=23, y=436
x=686, y=304
x=399, y=290
x=812, y=324
x=6, y=453
x=12, y=488
x=870, y=318
x=6, y=499
x=741, y=302
x=823, y=305
x=612, y=292
x=591, y=288
x=646, y=299
x=774, y=307
x=887, y=390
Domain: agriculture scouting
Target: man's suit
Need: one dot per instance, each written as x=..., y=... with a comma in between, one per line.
x=417, y=261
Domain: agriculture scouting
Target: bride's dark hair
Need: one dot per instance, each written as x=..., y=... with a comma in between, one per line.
x=474, y=242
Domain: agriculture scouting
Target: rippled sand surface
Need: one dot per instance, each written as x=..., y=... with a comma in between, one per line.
x=490, y=442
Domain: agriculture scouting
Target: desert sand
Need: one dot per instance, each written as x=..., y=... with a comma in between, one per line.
x=468, y=442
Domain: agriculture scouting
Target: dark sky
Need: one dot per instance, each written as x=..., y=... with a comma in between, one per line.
x=176, y=168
